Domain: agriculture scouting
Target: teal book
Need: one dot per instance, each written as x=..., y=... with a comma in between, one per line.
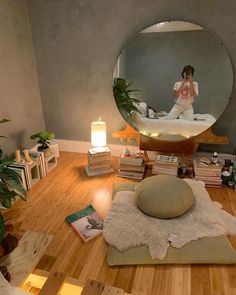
x=86, y=222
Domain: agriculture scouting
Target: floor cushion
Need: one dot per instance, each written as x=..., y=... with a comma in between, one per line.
x=216, y=250
x=213, y=250
x=164, y=196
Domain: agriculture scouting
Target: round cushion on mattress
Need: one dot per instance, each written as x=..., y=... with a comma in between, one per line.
x=164, y=196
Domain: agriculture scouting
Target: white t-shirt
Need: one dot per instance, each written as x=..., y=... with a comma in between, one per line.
x=184, y=97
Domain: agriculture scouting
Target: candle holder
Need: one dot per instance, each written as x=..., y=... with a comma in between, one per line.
x=27, y=157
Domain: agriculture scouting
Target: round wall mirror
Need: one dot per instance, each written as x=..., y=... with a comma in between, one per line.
x=158, y=95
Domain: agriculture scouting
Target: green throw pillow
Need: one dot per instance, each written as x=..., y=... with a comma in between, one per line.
x=164, y=196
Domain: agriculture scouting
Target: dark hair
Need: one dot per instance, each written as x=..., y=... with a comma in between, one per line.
x=187, y=69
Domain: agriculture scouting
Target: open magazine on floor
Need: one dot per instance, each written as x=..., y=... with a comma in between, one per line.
x=86, y=222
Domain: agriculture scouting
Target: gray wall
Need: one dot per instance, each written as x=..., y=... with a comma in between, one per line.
x=20, y=97
x=155, y=62
x=77, y=43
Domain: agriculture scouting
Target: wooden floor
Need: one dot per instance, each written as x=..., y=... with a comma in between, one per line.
x=67, y=189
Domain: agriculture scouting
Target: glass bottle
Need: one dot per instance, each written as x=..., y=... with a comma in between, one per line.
x=214, y=158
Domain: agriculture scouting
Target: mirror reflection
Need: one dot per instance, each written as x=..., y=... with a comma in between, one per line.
x=173, y=80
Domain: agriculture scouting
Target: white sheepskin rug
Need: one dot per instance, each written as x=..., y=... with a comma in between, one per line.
x=126, y=226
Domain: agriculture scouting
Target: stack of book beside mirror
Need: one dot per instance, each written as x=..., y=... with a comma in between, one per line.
x=99, y=162
x=207, y=172
x=167, y=165
x=132, y=165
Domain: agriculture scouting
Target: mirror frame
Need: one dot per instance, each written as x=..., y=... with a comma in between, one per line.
x=146, y=142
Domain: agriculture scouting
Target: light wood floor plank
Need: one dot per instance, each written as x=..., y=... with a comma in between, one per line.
x=67, y=189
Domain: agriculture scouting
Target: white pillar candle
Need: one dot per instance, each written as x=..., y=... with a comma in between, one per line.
x=98, y=133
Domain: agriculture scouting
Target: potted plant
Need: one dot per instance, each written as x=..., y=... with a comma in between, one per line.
x=10, y=186
x=124, y=97
x=44, y=139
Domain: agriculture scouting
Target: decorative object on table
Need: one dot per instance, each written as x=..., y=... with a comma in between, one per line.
x=99, y=135
x=207, y=172
x=214, y=158
x=167, y=165
x=27, y=157
x=18, y=156
x=126, y=153
x=87, y=223
x=182, y=169
x=228, y=163
x=231, y=184
x=131, y=165
x=44, y=139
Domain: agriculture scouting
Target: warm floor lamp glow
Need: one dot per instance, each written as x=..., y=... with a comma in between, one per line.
x=99, y=135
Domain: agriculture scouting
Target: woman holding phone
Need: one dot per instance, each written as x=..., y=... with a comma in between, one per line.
x=184, y=92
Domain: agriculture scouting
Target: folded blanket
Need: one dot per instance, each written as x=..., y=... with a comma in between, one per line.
x=126, y=226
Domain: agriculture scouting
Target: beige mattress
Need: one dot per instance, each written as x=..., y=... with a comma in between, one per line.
x=216, y=250
x=206, y=250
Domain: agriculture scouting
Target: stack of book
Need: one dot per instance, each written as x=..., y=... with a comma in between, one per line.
x=99, y=162
x=207, y=172
x=29, y=173
x=132, y=165
x=167, y=165
x=39, y=157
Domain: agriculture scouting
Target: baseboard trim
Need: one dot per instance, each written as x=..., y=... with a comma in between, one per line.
x=76, y=146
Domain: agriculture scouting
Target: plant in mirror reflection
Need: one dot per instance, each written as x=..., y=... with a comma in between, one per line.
x=124, y=97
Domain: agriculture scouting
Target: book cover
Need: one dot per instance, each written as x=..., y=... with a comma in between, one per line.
x=166, y=159
x=86, y=222
x=95, y=153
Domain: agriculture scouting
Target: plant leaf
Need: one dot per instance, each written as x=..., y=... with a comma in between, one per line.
x=6, y=197
x=13, y=181
x=4, y=120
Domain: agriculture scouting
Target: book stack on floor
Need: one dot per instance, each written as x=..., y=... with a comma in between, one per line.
x=132, y=165
x=167, y=165
x=99, y=162
x=207, y=172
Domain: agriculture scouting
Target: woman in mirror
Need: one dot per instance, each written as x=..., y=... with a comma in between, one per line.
x=184, y=92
